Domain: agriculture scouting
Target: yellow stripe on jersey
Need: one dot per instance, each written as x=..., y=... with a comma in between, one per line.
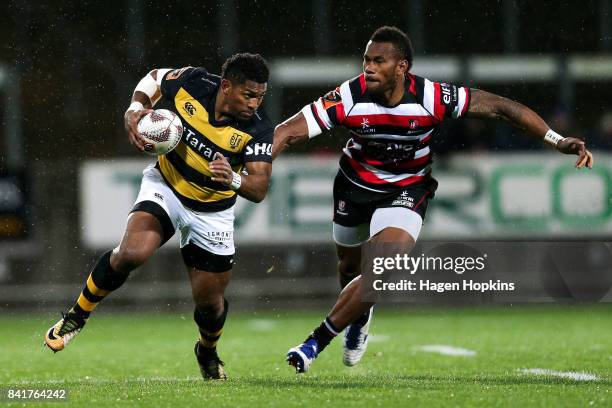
x=197, y=162
x=193, y=160
x=194, y=113
x=188, y=189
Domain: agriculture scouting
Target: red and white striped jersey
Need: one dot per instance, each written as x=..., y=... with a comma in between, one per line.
x=389, y=146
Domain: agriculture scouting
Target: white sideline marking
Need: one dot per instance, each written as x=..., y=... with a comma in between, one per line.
x=446, y=350
x=261, y=324
x=572, y=375
x=378, y=338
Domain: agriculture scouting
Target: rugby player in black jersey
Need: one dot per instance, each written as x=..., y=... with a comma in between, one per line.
x=384, y=183
x=192, y=188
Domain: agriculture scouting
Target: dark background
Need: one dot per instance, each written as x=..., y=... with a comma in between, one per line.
x=79, y=61
x=74, y=65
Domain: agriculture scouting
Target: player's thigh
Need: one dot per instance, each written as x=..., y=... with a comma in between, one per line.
x=395, y=225
x=143, y=235
x=209, y=274
x=150, y=223
x=351, y=219
x=158, y=200
x=399, y=217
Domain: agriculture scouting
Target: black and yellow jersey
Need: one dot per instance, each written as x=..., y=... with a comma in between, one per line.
x=192, y=93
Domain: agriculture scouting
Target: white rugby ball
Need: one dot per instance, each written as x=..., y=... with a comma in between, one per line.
x=162, y=131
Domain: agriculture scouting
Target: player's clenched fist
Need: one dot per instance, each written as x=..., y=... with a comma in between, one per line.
x=572, y=145
x=221, y=170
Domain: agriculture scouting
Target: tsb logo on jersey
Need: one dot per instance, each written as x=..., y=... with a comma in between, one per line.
x=259, y=148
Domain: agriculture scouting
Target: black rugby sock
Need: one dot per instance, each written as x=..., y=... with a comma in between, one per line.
x=363, y=319
x=102, y=280
x=324, y=334
x=210, y=328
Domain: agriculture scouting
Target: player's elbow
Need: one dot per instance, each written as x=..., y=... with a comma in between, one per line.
x=285, y=136
x=281, y=134
x=258, y=195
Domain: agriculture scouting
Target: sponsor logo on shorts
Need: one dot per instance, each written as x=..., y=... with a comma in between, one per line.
x=341, y=207
x=219, y=236
x=404, y=200
x=157, y=195
x=219, y=245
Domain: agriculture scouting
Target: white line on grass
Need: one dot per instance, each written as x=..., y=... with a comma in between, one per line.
x=378, y=338
x=446, y=350
x=261, y=324
x=572, y=375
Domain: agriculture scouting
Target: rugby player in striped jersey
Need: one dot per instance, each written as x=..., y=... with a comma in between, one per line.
x=193, y=189
x=384, y=182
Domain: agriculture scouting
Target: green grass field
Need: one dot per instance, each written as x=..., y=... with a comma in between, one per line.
x=147, y=360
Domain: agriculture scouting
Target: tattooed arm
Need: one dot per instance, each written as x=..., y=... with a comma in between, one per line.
x=486, y=105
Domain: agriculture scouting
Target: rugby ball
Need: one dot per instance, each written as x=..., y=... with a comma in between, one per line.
x=162, y=131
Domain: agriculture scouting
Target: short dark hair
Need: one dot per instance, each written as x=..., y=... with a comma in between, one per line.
x=398, y=38
x=243, y=67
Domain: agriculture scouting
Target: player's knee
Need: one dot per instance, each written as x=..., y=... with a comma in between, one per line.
x=210, y=307
x=126, y=259
x=347, y=265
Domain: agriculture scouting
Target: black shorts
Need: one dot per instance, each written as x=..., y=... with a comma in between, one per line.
x=354, y=205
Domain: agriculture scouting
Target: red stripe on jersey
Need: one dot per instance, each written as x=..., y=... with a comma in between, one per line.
x=340, y=114
x=438, y=107
x=390, y=120
x=361, y=140
x=467, y=101
x=362, y=83
x=371, y=178
x=313, y=108
x=412, y=88
x=399, y=165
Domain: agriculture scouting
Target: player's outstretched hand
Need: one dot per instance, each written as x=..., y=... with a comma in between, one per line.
x=221, y=170
x=572, y=145
x=131, y=119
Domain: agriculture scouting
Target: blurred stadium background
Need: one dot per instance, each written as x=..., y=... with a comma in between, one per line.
x=68, y=176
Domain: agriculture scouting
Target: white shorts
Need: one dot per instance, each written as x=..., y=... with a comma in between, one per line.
x=397, y=217
x=213, y=231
